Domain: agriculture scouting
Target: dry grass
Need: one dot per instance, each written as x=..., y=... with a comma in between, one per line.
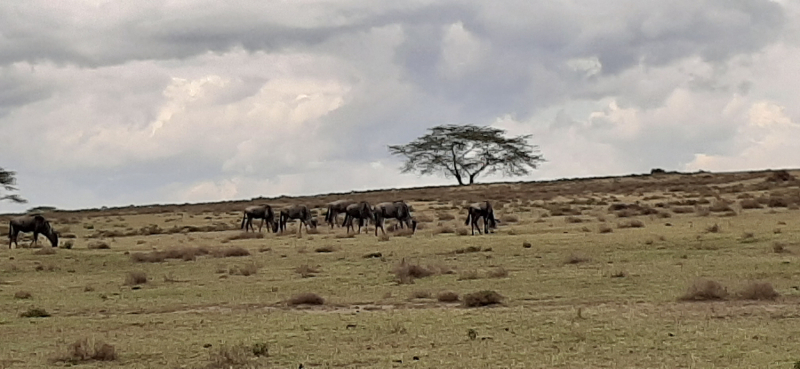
x=758, y=291
x=420, y=295
x=482, y=298
x=83, y=350
x=703, y=290
x=447, y=296
x=467, y=275
x=230, y=357
x=749, y=204
x=780, y=248
x=185, y=253
x=445, y=216
x=307, y=298
x=573, y=219
x=604, y=228
x=509, y=218
x=245, y=270
x=135, y=278
x=713, y=229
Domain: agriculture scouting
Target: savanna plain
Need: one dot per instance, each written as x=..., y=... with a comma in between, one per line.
x=666, y=270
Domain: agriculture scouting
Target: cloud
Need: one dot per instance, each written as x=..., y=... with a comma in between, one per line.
x=109, y=103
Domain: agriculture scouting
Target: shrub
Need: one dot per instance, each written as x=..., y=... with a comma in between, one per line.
x=604, y=228
x=713, y=229
x=134, y=278
x=83, y=350
x=482, y=298
x=233, y=356
x=22, y=295
x=307, y=298
x=467, y=249
x=383, y=238
x=461, y=231
x=445, y=216
x=682, y=210
x=527, y=245
x=704, y=289
x=573, y=219
x=35, y=313
x=719, y=207
x=758, y=291
x=245, y=270
x=447, y=296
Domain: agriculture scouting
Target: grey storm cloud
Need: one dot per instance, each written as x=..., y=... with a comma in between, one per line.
x=147, y=101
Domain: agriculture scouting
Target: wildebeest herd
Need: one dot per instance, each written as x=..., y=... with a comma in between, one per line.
x=276, y=220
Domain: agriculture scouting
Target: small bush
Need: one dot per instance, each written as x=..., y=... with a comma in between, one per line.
x=445, y=216
x=498, y=272
x=447, y=296
x=98, y=245
x=703, y=290
x=619, y=274
x=467, y=250
x=22, y=295
x=713, y=229
x=719, y=207
x=573, y=219
x=758, y=291
x=135, y=278
x=82, y=351
x=461, y=231
x=67, y=245
x=482, y=298
x=526, y=245
x=35, y=313
x=307, y=298
x=306, y=271
x=682, y=209
x=604, y=228
x=383, y=238
x=233, y=356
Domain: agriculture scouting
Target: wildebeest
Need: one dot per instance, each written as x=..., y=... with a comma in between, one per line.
x=300, y=212
x=335, y=208
x=263, y=212
x=31, y=223
x=398, y=210
x=361, y=211
x=478, y=210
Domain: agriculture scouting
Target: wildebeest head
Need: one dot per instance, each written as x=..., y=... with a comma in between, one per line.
x=51, y=234
x=313, y=222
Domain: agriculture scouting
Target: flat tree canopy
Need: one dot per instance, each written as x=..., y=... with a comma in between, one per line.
x=8, y=180
x=467, y=151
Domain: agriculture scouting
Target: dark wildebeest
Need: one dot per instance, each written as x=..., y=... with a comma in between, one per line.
x=476, y=211
x=263, y=212
x=31, y=223
x=300, y=212
x=361, y=211
x=398, y=210
x=335, y=208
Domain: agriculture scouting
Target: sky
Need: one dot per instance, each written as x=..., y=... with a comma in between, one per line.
x=112, y=103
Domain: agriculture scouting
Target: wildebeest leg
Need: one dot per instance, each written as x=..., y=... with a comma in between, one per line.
x=379, y=222
x=13, y=232
x=35, y=238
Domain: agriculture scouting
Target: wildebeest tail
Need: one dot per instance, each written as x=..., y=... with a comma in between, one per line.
x=469, y=216
x=244, y=216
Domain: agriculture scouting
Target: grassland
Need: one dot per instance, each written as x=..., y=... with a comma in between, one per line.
x=592, y=273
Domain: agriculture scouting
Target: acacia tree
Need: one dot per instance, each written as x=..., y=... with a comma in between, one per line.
x=8, y=180
x=467, y=151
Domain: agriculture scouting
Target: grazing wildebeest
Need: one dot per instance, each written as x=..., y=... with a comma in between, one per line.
x=31, y=223
x=300, y=212
x=263, y=212
x=335, y=208
x=361, y=211
x=478, y=210
x=398, y=210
